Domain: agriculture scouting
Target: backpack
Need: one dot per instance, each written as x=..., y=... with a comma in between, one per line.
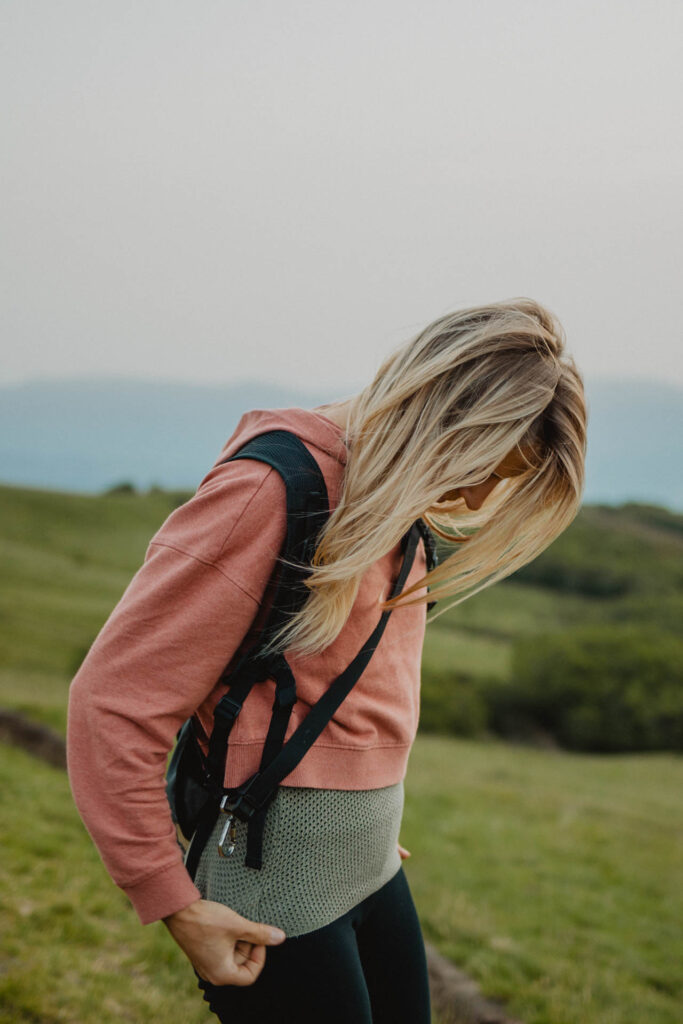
x=194, y=781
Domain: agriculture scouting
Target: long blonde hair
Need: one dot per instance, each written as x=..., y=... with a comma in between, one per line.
x=443, y=411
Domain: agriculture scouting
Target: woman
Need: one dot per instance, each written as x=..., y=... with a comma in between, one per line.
x=477, y=425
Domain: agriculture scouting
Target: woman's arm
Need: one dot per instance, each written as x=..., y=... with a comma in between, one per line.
x=156, y=659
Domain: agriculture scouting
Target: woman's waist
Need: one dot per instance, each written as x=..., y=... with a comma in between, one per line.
x=338, y=815
x=349, y=834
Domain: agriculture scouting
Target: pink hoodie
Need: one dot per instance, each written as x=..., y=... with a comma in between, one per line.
x=195, y=601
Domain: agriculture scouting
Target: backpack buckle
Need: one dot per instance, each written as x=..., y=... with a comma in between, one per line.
x=227, y=708
x=237, y=802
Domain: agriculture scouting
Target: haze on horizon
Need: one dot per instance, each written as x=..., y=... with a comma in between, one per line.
x=224, y=192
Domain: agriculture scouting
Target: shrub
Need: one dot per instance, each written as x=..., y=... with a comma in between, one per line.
x=607, y=688
x=559, y=573
x=452, y=704
x=125, y=487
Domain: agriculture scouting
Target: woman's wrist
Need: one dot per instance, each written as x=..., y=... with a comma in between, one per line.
x=187, y=913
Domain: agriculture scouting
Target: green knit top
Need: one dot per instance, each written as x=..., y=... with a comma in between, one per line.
x=324, y=850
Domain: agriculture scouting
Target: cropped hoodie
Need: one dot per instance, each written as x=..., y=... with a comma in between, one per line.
x=197, y=600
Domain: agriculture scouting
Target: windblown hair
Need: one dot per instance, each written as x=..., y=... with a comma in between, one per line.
x=443, y=411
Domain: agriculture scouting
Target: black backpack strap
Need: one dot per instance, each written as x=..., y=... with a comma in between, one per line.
x=278, y=761
x=285, y=698
x=307, y=511
x=430, y=551
x=250, y=801
x=257, y=792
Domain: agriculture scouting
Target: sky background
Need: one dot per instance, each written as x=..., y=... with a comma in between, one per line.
x=221, y=191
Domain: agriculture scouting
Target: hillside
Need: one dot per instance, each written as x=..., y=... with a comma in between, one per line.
x=68, y=558
x=550, y=878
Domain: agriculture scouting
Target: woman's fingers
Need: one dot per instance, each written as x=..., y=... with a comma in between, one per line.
x=403, y=853
x=246, y=959
x=223, y=947
x=249, y=961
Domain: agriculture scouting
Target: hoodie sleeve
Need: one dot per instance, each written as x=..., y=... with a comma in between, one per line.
x=158, y=656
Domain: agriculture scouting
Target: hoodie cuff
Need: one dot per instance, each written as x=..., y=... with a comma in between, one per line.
x=162, y=894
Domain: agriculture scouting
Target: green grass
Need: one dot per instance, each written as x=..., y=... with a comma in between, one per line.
x=73, y=949
x=554, y=880
x=469, y=654
x=41, y=696
x=512, y=609
x=67, y=558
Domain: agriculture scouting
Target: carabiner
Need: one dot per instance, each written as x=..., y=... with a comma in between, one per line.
x=229, y=830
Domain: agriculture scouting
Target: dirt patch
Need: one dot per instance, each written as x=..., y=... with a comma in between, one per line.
x=456, y=999
x=35, y=739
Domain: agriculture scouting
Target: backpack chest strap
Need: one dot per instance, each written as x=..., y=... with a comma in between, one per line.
x=250, y=801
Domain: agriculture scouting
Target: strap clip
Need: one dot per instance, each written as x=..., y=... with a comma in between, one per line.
x=228, y=831
x=227, y=708
x=238, y=803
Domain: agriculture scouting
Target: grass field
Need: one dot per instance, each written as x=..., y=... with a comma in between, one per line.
x=553, y=879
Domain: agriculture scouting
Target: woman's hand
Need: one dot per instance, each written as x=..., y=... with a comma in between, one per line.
x=223, y=947
x=403, y=853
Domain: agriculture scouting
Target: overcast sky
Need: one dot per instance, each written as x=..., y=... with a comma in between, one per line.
x=216, y=191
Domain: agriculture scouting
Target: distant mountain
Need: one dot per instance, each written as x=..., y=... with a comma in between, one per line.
x=87, y=435
x=635, y=442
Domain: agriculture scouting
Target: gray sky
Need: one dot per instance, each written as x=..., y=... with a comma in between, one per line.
x=216, y=191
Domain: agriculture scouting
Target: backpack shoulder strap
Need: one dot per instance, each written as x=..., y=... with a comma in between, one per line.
x=307, y=511
x=431, y=553
x=250, y=800
x=307, y=508
x=256, y=792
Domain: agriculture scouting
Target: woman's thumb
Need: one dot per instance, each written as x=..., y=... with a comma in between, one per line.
x=261, y=934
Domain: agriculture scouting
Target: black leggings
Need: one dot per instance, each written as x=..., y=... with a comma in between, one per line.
x=367, y=967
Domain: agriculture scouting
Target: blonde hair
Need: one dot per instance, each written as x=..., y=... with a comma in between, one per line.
x=443, y=411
